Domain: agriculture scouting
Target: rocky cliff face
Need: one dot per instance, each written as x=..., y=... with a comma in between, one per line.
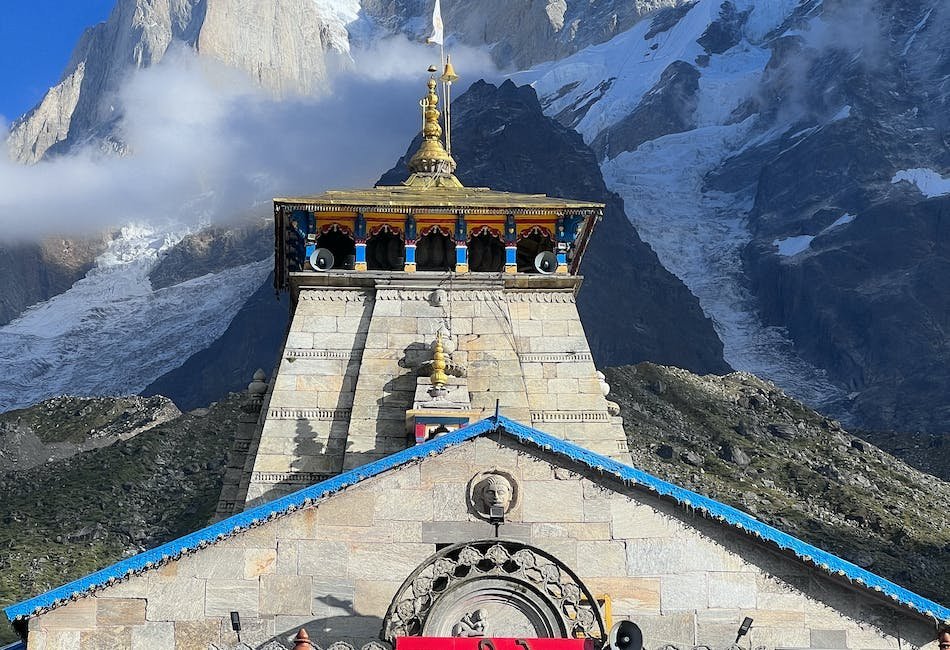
x=631, y=307
x=846, y=254
x=790, y=162
x=520, y=34
x=31, y=272
x=290, y=47
x=286, y=46
x=212, y=250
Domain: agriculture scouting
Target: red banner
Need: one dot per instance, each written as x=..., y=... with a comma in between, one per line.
x=475, y=643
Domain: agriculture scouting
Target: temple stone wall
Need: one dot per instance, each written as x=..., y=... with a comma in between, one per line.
x=335, y=567
x=351, y=361
x=305, y=425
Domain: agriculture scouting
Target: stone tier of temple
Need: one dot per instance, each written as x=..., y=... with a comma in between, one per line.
x=357, y=351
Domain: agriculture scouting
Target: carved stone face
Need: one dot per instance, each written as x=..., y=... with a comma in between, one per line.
x=494, y=491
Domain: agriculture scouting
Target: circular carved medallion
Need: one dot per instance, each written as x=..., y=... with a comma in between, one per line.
x=493, y=588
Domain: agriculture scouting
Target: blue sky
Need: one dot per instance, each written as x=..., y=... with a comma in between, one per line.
x=36, y=40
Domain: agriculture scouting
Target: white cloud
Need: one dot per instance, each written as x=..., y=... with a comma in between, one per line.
x=205, y=143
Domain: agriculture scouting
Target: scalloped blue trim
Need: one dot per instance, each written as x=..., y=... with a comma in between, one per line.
x=832, y=564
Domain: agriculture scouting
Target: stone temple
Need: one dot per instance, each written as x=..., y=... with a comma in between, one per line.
x=436, y=467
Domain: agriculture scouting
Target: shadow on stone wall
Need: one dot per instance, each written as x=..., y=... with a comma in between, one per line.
x=335, y=620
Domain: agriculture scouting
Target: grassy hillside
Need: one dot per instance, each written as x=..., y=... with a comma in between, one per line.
x=64, y=520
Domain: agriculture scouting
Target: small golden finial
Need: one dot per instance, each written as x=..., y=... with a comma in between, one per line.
x=438, y=377
x=432, y=158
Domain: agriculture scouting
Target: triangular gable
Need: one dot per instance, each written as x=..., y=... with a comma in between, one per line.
x=711, y=508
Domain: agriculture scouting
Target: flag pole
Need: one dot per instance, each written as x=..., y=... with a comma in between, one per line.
x=447, y=109
x=438, y=36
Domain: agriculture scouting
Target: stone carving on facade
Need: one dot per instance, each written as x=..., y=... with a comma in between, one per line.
x=337, y=645
x=494, y=488
x=438, y=297
x=458, y=295
x=541, y=296
x=489, y=578
x=471, y=625
x=340, y=645
x=341, y=295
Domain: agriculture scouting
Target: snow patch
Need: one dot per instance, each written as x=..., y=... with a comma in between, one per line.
x=697, y=234
x=727, y=81
x=840, y=221
x=790, y=246
x=929, y=182
x=765, y=16
x=337, y=14
x=634, y=63
x=843, y=114
x=919, y=26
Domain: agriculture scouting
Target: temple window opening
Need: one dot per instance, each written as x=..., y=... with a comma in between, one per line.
x=385, y=251
x=341, y=244
x=529, y=246
x=435, y=251
x=486, y=253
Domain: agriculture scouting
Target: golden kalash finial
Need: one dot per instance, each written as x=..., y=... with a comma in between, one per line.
x=432, y=158
x=438, y=377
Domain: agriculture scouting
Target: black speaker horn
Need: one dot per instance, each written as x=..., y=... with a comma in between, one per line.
x=625, y=635
x=545, y=262
x=321, y=260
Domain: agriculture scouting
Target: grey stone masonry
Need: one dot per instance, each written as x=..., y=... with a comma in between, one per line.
x=335, y=566
x=307, y=416
x=349, y=369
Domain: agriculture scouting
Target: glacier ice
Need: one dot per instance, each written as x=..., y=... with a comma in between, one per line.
x=111, y=333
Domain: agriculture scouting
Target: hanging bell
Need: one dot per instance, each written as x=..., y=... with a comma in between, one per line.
x=449, y=73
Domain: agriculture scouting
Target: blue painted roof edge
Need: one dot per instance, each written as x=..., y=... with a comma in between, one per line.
x=824, y=560
x=241, y=521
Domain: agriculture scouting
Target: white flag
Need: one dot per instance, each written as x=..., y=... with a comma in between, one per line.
x=438, y=29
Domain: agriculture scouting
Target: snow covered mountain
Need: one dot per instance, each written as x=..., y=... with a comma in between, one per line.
x=788, y=160
x=290, y=47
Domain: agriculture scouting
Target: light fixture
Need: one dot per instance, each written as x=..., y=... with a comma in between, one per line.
x=744, y=628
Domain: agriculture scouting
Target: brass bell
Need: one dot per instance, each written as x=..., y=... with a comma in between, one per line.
x=449, y=73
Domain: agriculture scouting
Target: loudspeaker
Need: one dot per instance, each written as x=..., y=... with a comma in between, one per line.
x=321, y=260
x=625, y=635
x=545, y=262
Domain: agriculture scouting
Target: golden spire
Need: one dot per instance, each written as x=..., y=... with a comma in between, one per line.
x=438, y=377
x=432, y=158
